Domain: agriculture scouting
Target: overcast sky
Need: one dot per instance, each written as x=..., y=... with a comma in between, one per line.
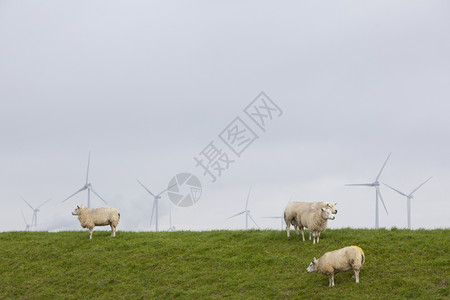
x=145, y=86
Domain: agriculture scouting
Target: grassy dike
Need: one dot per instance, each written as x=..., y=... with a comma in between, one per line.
x=252, y=264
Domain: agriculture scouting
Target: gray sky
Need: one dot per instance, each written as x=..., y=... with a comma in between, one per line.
x=147, y=85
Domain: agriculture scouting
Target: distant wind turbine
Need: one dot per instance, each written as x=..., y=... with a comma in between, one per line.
x=408, y=199
x=282, y=215
x=87, y=186
x=35, y=212
x=155, y=202
x=376, y=185
x=246, y=212
x=27, y=226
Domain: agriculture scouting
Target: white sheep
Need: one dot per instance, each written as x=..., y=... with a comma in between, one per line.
x=337, y=261
x=102, y=216
x=316, y=221
x=294, y=211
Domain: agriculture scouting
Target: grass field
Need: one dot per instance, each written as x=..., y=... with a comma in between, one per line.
x=220, y=264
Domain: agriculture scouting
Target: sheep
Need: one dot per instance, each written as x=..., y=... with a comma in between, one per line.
x=316, y=221
x=341, y=260
x=102, y=216
x=294, y=210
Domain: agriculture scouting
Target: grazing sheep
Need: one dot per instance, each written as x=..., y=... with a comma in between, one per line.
x=102, y=216
x=316, y=221
x=294, y=211
x=337, y=261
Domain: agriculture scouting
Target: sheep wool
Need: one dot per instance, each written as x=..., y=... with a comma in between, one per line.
x=316, y=220
x=341, y=260
x=102, y=216
x=294, y=211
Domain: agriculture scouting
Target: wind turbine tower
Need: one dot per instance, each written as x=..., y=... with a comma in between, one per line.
x=171, y=228
x=376, y=185
x=408, y=199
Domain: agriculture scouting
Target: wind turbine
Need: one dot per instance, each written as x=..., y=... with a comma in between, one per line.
x=87, y=186
x=376, y=185
x=408, y=199
x=35, y=212
x=282, y=215
x=155, y=202
x=27, y=226
x=246, y=212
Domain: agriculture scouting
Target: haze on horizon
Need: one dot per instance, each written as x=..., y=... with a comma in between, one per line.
x=146, y=86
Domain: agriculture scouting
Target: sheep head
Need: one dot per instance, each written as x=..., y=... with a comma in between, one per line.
x=332, y=206
x=77, y=210
x=312, y=266
x=327, y=214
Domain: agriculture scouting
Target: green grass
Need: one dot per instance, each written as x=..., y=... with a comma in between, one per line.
x=220, y=264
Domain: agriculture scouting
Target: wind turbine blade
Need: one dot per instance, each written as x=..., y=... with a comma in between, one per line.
x=166, y=190
x=273, y=217
x=252, y=219
x=25, y=220
x=382, y=201
x=395, y=190
x=359, y=184
x=379, y=174
x=248, y=196
x=43, y=203
x=290, y=199
x=92, y=190
x=236, y=215
x=146, y=188
x=33, y=220
x=87, y=173
x=27, y=203
x=420, y=186
x=80, y=190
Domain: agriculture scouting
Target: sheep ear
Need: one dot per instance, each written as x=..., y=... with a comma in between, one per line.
x=315, y=259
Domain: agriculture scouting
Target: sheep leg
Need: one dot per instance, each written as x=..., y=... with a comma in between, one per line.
x=318, y=236
x=296, y=229
x=113, y=230
x=314, y=238
x=310, y=235
x=303, y=234
x=332, y=279
x=357, y=275
x=288, y=229
x=90, y=233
